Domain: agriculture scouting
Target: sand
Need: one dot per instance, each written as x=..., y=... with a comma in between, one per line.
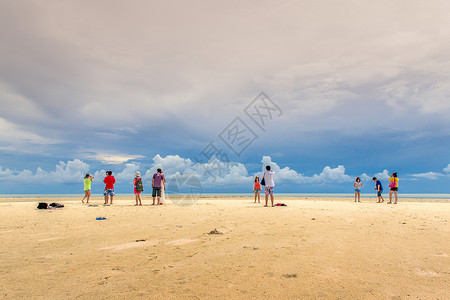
x=312, y=249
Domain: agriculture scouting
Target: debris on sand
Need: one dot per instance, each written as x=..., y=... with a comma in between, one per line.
x=137, y=241
x=250, y=247
x=215, y=231
x=294, y=275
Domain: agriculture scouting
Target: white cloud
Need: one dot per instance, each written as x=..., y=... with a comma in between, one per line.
x=365, y=177
x=172, y=164
x=125, y=175
x=332, y=175
x=447, y=169
x=383, y=175
x=210, y=174
x=213, y=172
x=287, y=174
x=70, y=172
x=5, y=173
x=112, y=159
x=433, y=175
x=349, y=55
x=128, y=173
x=13, y=138
x=428, y=175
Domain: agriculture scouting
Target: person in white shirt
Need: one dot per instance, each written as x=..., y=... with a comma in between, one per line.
x=358, y=187
x=268, y=184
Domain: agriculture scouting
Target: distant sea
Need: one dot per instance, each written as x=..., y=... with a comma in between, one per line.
x=371, y=195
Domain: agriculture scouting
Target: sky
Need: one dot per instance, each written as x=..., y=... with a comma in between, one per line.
x=322, y=91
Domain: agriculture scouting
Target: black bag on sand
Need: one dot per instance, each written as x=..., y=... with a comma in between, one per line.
x=56, y=205
x=42, y=205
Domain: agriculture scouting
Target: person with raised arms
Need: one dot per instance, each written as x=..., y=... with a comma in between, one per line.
x=393, y=184
x=87, y=187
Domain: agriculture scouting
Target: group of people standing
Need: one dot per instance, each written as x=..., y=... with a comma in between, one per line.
x=158, y=186
x=393, y=185
x=267, y=182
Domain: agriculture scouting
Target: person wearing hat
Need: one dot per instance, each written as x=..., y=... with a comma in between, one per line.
x=138, y=188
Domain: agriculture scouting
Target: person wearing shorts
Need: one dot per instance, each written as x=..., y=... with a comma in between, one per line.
x=358, y=187
x=257, y=189
x=394, y=180
x=157, y=182
x=87, y=187
x=137, y=194
x=379, y=189
x=109, y=187
x=269, y=184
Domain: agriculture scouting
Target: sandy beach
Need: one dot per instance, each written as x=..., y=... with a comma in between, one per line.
x=321, y=248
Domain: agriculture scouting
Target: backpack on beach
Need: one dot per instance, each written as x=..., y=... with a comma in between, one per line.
x=42, y=205
x=139, y=185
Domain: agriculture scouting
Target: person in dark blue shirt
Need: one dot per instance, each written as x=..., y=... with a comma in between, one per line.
x=379, y=189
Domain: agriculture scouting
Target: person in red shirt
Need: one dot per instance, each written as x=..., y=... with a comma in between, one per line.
x=257, y=189
x=109, y=187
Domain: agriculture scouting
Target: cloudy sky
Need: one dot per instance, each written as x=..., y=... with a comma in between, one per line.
x=351, y=88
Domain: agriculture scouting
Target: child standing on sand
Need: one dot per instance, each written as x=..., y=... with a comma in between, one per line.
x=87, y=187
x=109, y=187
x=257, y=189
x=138, y=188
x=358, y=187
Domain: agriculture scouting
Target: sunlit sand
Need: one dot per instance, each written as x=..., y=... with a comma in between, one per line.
x=321, y=248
